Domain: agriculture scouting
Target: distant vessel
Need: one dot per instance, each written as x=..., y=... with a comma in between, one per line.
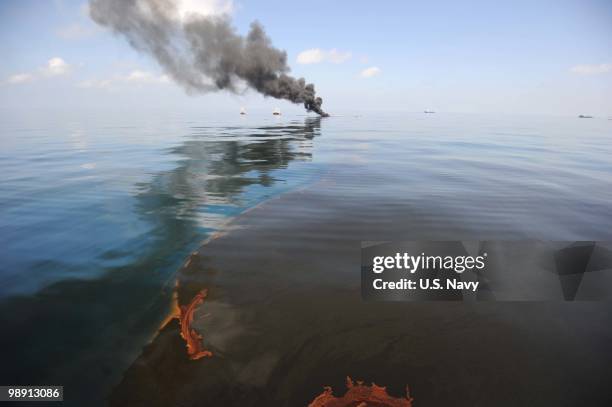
x=242, y=110
x=583, y=116
x=276, y=111
x=428, y=111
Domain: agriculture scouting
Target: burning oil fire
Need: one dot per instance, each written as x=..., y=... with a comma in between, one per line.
x=205, y=53
x=360, y=395
x=195, y=348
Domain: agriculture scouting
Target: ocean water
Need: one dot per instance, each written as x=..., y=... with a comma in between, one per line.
x=98, y=210
x=83, y=195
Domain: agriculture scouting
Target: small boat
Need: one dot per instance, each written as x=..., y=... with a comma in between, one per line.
x=242, y=111
x=583, y=116
x=276, y=111
x=428, y=111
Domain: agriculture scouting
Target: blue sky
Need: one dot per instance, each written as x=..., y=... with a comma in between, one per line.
x=551, y=57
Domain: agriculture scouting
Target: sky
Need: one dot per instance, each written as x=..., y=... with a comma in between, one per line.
x=540, y=57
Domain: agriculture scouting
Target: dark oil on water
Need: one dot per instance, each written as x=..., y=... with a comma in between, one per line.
x=283, y=316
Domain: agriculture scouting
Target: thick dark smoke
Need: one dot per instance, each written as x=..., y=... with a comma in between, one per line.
x=204, y=53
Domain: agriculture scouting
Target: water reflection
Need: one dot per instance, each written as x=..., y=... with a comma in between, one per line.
x=218, y=165
x=83, y=333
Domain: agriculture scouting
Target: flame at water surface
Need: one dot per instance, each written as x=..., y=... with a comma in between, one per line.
x=361, y=395
x=195, y=348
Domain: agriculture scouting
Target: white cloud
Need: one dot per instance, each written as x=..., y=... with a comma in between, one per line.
x=84, y=10
x=19, y=78
x=146, y=77
x=591, y=69
x=136, y=77
x=338, y=57
x=187, y=8
x=76, y=31
x=317, y=55
x=55, y=67
x=310, y=56
x=95, y=84
x=369, y=72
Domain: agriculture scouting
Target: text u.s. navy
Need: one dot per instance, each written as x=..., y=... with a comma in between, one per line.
x=425, y=284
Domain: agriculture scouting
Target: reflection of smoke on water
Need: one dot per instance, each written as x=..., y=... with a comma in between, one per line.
x=98, y=326
x=217, y=165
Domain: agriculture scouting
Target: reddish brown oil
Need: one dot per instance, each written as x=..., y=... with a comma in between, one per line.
x=360, y=395
x=195, y=348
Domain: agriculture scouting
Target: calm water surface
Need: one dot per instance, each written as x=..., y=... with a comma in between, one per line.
x=99, y=210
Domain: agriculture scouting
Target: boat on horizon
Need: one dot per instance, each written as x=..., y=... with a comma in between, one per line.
x=428, y=111
x=584, y=116
x=276, y=111
x=243, y=111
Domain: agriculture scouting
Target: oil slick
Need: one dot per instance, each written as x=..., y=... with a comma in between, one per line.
x=195, y=349
x=361, y=395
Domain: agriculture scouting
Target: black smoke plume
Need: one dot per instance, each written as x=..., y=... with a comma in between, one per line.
x=204, y=53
